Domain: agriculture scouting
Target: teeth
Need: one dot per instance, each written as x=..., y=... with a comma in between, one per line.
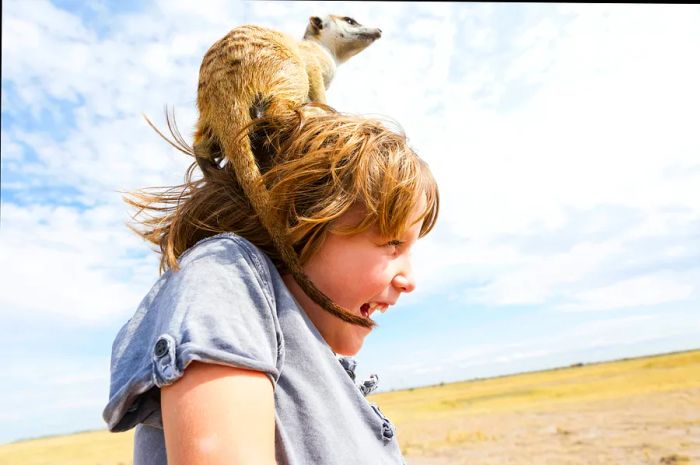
x=375, y=306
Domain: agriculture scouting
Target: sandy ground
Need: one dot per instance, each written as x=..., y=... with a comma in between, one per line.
x=659, y=428
x=631, y=412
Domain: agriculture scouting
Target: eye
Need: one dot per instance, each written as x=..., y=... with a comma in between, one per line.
x=350, y=21
x=394, y=243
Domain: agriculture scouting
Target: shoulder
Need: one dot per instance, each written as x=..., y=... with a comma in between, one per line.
x=224, y=260
x=225, y=249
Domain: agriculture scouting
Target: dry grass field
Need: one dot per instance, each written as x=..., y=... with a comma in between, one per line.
x=639, y=411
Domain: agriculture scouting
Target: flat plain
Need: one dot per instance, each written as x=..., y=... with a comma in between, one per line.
x=628, y=412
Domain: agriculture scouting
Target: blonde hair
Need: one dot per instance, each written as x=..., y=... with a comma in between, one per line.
x=316, y=164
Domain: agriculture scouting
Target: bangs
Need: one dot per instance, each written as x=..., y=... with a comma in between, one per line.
x=403, y=187
x=389, y=181
x=329, y=164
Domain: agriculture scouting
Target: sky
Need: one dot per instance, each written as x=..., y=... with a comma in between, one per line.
x=564, y=139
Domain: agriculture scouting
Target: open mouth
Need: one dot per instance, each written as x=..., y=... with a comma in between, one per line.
x=368, y=308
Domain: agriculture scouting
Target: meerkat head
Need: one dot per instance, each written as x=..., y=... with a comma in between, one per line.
x=341, y=35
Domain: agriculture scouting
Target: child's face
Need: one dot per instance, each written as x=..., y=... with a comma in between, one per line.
x=354, y=271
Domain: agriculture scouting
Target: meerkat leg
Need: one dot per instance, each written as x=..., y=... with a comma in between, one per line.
x=317, y=89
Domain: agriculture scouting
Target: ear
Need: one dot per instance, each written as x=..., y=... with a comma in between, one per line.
x=315, y=23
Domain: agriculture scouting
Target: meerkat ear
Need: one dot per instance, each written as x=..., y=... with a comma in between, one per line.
x=316, y=23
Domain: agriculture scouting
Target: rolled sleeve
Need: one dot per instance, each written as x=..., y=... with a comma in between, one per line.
x=218, y=308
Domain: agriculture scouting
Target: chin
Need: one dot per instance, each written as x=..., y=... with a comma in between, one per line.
x=348, y=349
x=347, y=353
x=351, y=341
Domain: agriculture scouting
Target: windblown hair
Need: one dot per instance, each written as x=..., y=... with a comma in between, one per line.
x=316, y=164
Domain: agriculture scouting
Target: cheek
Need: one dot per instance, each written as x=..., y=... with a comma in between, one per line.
x=365, y=264
x=350, y=277
x=368, y=274
x=333, y=268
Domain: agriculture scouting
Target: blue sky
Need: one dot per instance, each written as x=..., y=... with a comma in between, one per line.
x=563, y=137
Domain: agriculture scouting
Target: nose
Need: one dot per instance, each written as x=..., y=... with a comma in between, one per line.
x=405, y=281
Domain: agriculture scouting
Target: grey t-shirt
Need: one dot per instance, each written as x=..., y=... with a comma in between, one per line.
x=228, y=305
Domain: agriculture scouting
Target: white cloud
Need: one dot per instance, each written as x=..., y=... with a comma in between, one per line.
x=640, y=291
x=11, y=150
x=33, y=33
x=605, y=123
x=62, y=263
x=62, y=389
x=559, y=266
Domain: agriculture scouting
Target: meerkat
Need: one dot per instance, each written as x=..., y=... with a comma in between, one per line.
x=255, y=71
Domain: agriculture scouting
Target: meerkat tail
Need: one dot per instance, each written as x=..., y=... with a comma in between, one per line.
x=320, y=298
x=239, y=152
x=261, y=202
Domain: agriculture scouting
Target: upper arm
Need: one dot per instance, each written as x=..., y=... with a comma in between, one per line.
x=219, y=414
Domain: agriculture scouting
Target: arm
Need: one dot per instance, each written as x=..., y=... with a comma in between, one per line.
x=219, y=415
x=317, y=89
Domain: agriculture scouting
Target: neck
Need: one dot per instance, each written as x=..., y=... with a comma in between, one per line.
x=324, y=47
x=324, y=58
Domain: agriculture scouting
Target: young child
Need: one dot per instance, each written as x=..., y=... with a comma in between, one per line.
x=226, y=359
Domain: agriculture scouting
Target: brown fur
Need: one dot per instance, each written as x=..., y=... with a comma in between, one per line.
x=251, y=72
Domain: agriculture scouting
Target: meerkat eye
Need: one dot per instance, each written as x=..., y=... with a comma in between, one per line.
x=350, y=21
